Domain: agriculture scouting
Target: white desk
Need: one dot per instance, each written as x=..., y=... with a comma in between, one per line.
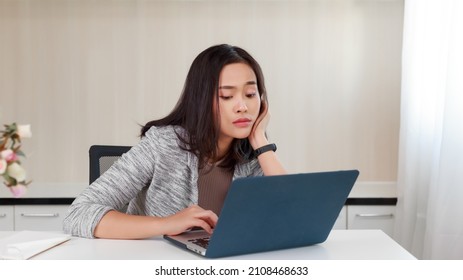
x=340, y=245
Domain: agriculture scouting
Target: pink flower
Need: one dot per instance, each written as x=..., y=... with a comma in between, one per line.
x=18, y=190
x=8, y=155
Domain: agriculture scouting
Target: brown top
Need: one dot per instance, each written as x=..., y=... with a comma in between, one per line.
x=213, y=184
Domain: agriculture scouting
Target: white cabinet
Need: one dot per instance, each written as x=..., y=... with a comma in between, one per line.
x=341, y=222
x=367, y=217
x=39, y=217
x=371, y=217
x=7, y=217
x=32, y=217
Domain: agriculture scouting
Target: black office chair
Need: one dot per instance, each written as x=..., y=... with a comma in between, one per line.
x=102, y=157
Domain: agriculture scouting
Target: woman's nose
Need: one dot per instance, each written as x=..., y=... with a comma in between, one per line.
x=241, y=107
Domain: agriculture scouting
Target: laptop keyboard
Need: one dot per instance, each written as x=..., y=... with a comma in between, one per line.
x=202, y=242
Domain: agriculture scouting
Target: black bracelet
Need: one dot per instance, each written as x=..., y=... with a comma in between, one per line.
x=263, y=149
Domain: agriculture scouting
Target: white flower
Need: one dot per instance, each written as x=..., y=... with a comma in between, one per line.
x=24, y=131
x=17, y=172
x=3, y=165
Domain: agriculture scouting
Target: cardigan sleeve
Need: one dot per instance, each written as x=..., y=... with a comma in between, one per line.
x=249, y=169
x=114, y=189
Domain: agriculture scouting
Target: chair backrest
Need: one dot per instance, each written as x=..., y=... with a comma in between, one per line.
x=102, y=157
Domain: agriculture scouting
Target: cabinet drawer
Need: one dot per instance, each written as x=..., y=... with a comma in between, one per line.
x=371, y=217
x=6, y=217
x=40, y=217
x=341, y=222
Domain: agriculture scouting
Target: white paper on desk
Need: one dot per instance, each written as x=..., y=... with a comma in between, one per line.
x=26, y=244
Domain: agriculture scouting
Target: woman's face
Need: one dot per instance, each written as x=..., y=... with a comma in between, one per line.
x=239, y=101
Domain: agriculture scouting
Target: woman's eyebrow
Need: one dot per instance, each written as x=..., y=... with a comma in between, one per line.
x=234, y=87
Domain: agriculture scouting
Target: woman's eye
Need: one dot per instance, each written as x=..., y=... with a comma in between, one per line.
x=251, y=94
x=224, y=97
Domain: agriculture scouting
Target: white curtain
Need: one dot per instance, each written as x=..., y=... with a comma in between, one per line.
x=430, y=176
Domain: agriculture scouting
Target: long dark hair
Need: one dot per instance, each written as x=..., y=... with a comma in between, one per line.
x=194, y=110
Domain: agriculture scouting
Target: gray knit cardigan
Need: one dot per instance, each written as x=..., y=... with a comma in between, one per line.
x=156, y=178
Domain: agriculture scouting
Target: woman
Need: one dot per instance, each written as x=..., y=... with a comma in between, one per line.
x=177, y=176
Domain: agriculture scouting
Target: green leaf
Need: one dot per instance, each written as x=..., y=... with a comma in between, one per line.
x=20, y=153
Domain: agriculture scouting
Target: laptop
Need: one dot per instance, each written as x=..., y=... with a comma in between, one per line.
x=273, y=212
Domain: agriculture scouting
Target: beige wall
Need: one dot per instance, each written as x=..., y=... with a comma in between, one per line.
x=88, y=72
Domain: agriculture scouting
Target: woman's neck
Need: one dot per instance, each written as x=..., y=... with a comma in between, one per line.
x=222, y=148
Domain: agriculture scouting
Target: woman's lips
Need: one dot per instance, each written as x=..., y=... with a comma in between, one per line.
x=242, y=122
